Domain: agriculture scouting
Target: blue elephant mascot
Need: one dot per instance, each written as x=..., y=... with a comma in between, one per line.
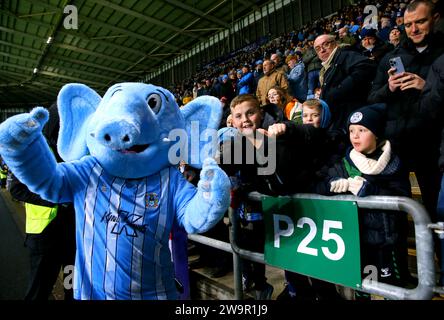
x=120, y=153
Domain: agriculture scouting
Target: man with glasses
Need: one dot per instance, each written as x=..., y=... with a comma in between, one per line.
x=345, y=79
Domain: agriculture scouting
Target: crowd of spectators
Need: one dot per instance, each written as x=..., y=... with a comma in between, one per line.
x=339, y=68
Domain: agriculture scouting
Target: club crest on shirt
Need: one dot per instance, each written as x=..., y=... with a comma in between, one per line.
x=151, y=200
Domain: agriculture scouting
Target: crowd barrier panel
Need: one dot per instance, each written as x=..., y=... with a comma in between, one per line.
x=423, y=239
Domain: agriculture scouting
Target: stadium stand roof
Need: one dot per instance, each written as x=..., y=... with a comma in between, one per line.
x=47, y=43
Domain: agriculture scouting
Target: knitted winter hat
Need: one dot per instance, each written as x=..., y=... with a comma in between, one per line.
x=373, y=117
x=367, y=32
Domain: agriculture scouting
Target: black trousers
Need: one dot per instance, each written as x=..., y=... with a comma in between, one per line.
x=50, y=251
x=311, y=289
x=252, y=237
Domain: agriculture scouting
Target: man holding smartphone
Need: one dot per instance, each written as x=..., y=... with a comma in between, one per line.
x=413, y=137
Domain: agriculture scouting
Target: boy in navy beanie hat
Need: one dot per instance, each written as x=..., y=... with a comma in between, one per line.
x=373, y=117
x=371, y=168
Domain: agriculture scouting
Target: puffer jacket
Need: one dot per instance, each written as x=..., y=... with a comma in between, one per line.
x=378, y=227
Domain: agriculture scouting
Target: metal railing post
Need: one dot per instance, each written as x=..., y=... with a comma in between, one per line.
x=423, y=237
x=424, y=256
x=237, y=263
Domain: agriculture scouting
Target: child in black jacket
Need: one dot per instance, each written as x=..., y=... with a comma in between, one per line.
x=270, y=156
x=371, y=168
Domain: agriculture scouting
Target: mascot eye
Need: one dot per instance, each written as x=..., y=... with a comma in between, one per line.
x=154, y=101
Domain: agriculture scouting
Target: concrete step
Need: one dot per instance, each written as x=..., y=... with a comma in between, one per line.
x=206, y=287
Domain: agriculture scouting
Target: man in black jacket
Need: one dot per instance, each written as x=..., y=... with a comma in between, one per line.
x=432, y=110
x=345, y=78
x=50, y=240
x=406, y=128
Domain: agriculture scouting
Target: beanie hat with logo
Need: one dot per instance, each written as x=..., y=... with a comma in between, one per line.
x=373, y=117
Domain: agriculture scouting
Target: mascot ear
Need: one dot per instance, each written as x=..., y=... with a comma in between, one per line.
x=76, y=103
x=202, y=118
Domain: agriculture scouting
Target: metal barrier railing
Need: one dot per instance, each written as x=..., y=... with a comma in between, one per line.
x=423, y=238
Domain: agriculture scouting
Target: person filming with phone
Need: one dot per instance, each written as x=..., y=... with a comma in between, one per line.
x=399, y=78
x=414, y=138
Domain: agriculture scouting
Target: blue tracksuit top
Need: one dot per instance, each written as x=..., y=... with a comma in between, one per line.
x=124, y=224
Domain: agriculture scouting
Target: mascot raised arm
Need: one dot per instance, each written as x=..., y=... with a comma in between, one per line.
x=120, y=174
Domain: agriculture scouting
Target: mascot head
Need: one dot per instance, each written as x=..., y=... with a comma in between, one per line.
x=133, y=128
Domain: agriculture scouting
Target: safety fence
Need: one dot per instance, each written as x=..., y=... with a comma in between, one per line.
x=425, y=258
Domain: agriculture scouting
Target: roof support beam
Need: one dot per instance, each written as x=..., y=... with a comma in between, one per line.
x=54, y=74
x=170, y=38
x=9, y=77
x=20, y=75
x=143, y=17
x=55, y=58
x=248, y=4
x=57, y=75
x=52, y=34
x=83, y=63
x=77, y=34
x=196, y=11
x=23, y=34
x=55, y=84
x=189, y=25
x=131, y=34
x=16, y=46
x=104, y=25
x=12, y=65
x=97, y=75
x=91, y=53
x=89, y=74
x=32, y=61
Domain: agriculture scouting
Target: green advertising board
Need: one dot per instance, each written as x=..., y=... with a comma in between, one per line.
x=317, y=238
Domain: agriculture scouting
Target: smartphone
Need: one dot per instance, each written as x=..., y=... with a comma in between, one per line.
x=396, y=63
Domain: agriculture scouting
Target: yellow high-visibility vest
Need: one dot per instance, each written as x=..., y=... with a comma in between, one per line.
x=38, y=217
x=3, y=174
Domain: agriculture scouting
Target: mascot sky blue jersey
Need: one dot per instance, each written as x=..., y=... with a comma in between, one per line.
x=119, y=174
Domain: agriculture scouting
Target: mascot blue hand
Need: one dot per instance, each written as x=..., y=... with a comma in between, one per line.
x=211, y=200
x=214, y=183
x=19, y=131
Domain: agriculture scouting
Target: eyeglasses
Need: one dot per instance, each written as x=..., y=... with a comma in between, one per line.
x=325, y=45
x=271, y=95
